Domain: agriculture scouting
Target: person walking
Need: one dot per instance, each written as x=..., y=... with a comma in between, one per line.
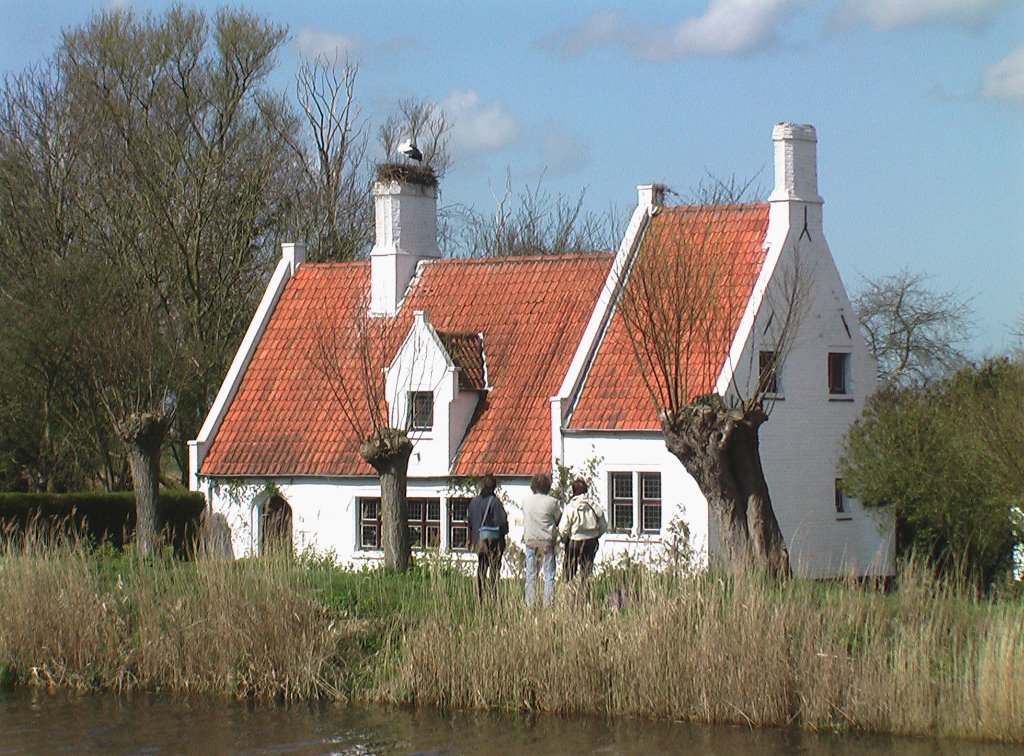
x=488, y=527
x=583, y=522
x=541, y=513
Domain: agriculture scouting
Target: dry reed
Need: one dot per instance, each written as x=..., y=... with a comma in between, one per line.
x=933, y=658
x=74, y=619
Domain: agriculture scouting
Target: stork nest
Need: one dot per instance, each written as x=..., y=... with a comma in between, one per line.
x=407, y=173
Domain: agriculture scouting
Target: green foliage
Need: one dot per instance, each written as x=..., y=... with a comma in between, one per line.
x=947, y=458
x=104, y=518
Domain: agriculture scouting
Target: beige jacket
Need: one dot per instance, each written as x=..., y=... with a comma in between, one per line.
x=540, y=520
x=583, y=518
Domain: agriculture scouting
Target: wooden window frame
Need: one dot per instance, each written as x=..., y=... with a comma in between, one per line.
x=425, y=522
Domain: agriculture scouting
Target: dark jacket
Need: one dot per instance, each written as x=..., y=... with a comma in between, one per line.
x=495, y=517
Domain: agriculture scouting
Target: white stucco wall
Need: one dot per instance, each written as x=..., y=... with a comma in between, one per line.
x=325, y=515
x=640, y=453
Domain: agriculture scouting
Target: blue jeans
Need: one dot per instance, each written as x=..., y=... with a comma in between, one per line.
x=540, y=557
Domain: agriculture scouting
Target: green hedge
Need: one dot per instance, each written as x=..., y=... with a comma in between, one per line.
x=105, y=517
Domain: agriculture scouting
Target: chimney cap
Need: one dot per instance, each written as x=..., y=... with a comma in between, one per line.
x=794, y=131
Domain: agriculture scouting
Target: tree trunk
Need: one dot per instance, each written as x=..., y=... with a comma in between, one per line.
x=719, y=447
x=388, y=452
x=144, y=435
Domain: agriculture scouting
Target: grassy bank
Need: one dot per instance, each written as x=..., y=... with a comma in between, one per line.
x=932, y=658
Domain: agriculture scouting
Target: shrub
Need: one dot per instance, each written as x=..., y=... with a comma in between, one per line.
x=104, y=517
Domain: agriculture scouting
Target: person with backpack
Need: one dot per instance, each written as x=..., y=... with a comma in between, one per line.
x=583, y=523
x=488, y=528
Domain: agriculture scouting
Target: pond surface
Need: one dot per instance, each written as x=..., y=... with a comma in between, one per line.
x=40, y=722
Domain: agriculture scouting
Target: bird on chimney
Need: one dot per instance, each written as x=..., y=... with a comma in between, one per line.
x=410, y=150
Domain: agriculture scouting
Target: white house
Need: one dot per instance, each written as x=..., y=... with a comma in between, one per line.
x=515, y=365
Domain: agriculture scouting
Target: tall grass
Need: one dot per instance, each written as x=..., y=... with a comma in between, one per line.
x=73, y=618
x=936, y=657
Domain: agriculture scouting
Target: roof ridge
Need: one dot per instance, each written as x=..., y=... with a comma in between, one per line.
x=724, y=206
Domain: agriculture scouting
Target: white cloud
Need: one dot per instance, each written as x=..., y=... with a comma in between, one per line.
x=895, y=14
x=1005, y=80
x=561, y=152
x=313, y=43
x=478, y=127
x=727, y=27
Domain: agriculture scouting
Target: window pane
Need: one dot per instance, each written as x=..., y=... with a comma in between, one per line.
x=421, y=410
x=767, y=373
x=415, y=509
x=368, y=537
x=457, y=509
x=370, y=508
x=458, y=532
x=459, y=537
x=622, y=516
x=652, y=518
x=622, y=486
x=416, y=536
x=433, y=536
x=838, y=370
x=433, y=510
x=650, y=486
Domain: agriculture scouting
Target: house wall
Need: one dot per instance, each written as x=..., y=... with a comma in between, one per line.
x=803, y=438
x=325, y=514
x=640, y=453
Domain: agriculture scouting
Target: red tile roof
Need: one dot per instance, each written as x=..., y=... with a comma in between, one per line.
x=286, y=420
x=467, y=352
x=728, y=238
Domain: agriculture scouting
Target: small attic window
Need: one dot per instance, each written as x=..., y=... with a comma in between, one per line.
x=421, y=410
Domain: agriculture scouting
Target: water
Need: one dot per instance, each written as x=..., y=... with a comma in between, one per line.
x=40, y=722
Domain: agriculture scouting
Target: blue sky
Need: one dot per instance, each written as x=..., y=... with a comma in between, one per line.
x=918, y=104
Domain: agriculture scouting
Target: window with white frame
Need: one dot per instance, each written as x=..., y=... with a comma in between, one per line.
x=635, y=501
x=369, y=523
x=421, y=410
x=458, y=524
x=650, y=502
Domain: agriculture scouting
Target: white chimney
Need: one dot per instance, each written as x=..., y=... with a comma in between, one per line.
x=795, y=203
x=796, y=163
x=294, y=253
x=406, y=225
x=650, y=195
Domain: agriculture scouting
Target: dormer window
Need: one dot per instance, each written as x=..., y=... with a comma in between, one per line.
x=421, y=410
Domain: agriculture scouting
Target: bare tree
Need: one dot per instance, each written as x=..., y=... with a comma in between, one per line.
x=427, y=125
x=916, y=334
x=348, y=351
x=334, y=207
x=530, y=222
x=679, y=307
